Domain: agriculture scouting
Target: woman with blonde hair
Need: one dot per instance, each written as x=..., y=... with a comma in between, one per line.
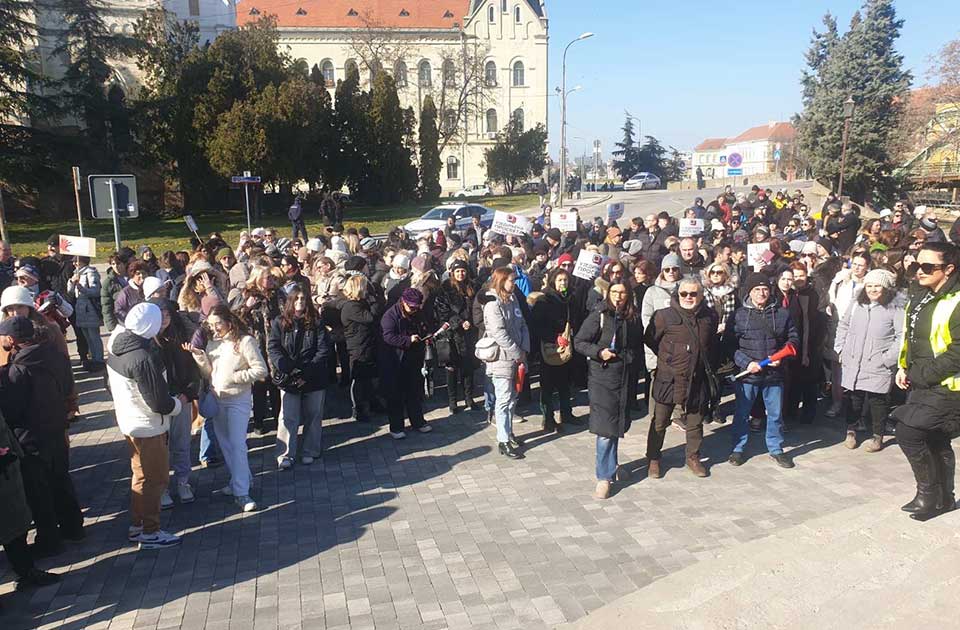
x=199, y=293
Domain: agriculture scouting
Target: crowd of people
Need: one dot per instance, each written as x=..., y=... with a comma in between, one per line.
x=760, y=294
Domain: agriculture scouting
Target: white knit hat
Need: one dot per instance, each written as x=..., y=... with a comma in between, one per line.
x=315, y=245
x=151, y=284
x=402, y=261
x=16, y=296
x=144, y=320
x=884, y=278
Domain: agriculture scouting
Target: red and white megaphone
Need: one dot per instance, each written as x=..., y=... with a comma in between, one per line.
x=787, y=351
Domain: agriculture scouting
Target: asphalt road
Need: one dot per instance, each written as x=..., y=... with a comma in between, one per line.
x=641, y=203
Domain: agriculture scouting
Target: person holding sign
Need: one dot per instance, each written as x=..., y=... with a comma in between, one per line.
x=84, y=288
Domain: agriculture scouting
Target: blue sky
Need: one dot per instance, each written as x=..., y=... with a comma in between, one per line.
x=691, y=69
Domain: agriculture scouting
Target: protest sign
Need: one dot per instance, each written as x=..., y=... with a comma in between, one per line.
x=78, y=246
x=691, y=227
x=564, y=221
x=588, y=265
x=614, y=211
x=191, y=223
x=510, y=224
x=757, y=255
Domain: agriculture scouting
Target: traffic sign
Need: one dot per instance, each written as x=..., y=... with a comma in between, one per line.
x=776, y=155
x=734, y=160
x=734, y=171
x=245, y=179
x=723, y=159
x=124, y=196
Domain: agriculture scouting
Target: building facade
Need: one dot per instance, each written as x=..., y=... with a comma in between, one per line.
x=427, y=45
x=762, y=149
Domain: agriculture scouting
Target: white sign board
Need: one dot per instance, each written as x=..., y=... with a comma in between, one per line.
x=191, y=223
x=588, y=265
x=691, y=227
x=756, y=253
x=510, y=224
x=78, y=246
x=564, y=221
x=614, y=211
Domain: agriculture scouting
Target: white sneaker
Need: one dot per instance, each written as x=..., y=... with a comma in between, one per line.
x=166, y=501
x=226, y=491
x=158, y=540
x=399, y=435
x=285, y=464
x=425, y=429
x=134, y=532
x=185, y=492
x=306, y=460
x=246, y=504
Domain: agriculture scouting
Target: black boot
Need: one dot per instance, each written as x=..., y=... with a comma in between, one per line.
x=549, y=423
x=452, y=390
x=468, y=388
x=947, y=462
x=929, y=500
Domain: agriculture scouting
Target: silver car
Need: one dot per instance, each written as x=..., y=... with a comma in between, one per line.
x=436, y=218
x=642, y=181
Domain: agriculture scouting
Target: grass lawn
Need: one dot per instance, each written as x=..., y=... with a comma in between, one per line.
x=163, y=234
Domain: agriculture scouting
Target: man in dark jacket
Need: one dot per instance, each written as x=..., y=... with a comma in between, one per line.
x=34, y=388
x=402, y=354
x=295, y=214
x=760, y=328
x=683, y=337
x=930, y=372
x=841, y=225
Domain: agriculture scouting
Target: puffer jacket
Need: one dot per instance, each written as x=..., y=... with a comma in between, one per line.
x=758, y=333
x=86, y=295
x=868, y=344
x=141, y=397
x=108, y=296
x=504, y=323
x=657, y=297
x=455, y=308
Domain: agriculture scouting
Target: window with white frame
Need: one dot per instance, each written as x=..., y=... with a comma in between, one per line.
x=492, y=121
x=453, y=168
x=518, y=74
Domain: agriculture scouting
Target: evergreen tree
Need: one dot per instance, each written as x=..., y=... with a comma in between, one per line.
x=351, y=121
x=517, y=156
x=390, y=174
x=652, y=158
x=674, y=169
x=625, y=161
x=316, y=75
x=862, y=64
x=430, y=164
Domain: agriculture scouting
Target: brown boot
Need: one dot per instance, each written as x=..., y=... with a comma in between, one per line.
x=695, y=466
x=653, y=469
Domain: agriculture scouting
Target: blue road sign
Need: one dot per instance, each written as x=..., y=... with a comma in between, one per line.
x=734, y=160
x=776, y=155
x=734, y=171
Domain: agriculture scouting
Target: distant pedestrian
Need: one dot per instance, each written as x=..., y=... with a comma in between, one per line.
x=295, y=214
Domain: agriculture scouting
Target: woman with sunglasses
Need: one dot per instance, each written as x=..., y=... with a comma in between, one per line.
x=611, y=338
x=658, y=296
x=720, y=293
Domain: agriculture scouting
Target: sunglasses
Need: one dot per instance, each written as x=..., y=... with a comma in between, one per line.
x=929, y=268
x=671, y=270
x=717, y=272
x=688, y=294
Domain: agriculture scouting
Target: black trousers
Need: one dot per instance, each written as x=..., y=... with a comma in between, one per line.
x=82, y=348
x=860, y=403
x=266, y=402
x=405, y=398
x=555, y=378
x=50, y=493
x=298, y=227
x=457, y=373
x=18, y=554
x=343, y=360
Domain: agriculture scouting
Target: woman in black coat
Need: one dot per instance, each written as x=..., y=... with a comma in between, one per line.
x=298, y=347
x=612, y=339
x=454, y=305
x=804, y=372
x=360, y=316
x=551, y=317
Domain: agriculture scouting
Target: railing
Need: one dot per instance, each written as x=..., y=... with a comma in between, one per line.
x=945, y=171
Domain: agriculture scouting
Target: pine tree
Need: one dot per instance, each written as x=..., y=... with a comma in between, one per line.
x=652, y=158
x=429, y=140
x=316, y=75
x=625, y=162
x=391, y=176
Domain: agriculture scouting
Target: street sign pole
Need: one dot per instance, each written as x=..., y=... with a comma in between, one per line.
x=115, y=213
x=246, y=194
x=76, y=194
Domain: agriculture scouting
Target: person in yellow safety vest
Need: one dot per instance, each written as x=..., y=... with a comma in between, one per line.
x=930, y=371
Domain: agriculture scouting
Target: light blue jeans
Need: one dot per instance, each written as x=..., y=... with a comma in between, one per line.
x=179, y=439
x=94, y=343
x=506, y=399
x=209, y=448
x=607, y=458
x=296, y=410
x=773, y=400
x=231, y=428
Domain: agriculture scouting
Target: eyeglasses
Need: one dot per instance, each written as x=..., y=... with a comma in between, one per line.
x=929, y=268
x=671, y=270
x=688, y=294
x=717, y=272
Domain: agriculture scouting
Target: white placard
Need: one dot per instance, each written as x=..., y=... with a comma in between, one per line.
x=755, y=254
x=614, y=211
x=191, y=223
x=78, y=246
x=564, y=221
x=510, y=224
x=691, y=227
x=588, y=265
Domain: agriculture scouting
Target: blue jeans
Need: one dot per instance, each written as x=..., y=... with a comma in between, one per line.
x=503, y=406
x=209, y=449
x=772, y=398
x=607, y=458
x=489, y=397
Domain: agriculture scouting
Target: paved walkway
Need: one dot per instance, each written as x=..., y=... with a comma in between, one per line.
x=436, y=531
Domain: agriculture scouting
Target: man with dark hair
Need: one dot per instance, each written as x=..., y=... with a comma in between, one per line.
x=930, y=372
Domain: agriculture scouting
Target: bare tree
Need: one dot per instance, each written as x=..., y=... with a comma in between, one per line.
x=377, y=46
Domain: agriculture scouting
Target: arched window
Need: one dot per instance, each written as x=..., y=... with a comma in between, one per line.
x=503, y=6
x=518, y=117
x=400, y=74
x=491, y=14
x=453, y=168
x=375, y=68
x=328, y=73
x=423, y=74
x=449, y=74
x=516, y=14
x=449, y=122
x=492, y=121
x=518, y=73
x=350, y=68
x=490, y=73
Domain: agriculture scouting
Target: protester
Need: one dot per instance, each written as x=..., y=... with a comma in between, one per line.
x=84, y=288
x=552, y=324
x=401, y=360
x=454, y=306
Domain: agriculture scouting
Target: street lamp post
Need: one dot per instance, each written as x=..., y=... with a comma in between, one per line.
x=563, y=117
x=848, y=107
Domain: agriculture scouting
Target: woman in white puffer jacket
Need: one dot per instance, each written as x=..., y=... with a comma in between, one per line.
x=232, y=361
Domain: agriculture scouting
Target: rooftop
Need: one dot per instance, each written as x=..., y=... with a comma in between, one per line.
x=775, y=131
x=711, y=144
x=396, y=14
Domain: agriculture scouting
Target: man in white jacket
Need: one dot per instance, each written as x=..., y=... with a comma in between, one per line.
x=144, y=409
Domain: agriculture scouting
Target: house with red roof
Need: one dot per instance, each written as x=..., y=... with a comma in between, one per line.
x=755, y=151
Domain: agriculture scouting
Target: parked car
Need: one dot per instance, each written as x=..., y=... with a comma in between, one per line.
x=436, y=218
x=642, y=181
x=527, y=188
x=477, y=190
